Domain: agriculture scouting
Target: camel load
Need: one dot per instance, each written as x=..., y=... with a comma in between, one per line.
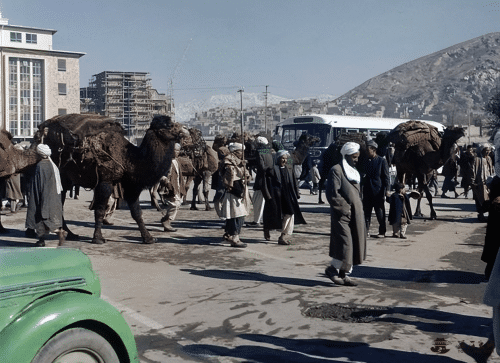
x=421, y=137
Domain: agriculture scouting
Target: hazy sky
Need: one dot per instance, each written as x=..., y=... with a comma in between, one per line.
x=300, y=48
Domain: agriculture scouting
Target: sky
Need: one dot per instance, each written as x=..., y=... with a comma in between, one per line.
x=299, y=48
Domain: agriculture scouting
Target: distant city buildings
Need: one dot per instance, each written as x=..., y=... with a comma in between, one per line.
x=128, y=98
x=37, y=82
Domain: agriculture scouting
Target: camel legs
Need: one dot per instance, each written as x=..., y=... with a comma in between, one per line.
x=425, y=188
x=136, y=212
x=189, y=179
x=102, y=193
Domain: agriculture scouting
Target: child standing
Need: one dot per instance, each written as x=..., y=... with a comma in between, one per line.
x=315, y=177
x=399, y=211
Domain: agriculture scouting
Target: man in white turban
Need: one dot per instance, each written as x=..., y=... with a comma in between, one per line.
x=281, y=191
x=45, y=205
x=348, y=228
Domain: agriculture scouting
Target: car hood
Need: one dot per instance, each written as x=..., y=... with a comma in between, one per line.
x=34, y=272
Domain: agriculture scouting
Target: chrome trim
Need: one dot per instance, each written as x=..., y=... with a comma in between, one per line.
x=40, y=287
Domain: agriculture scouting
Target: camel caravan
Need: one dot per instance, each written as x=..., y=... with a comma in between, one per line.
x=91, y=151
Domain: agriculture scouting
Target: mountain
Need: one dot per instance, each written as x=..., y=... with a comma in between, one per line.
x=443, y=86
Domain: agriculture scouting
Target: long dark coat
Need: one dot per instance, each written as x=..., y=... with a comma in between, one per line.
x=376, y=180
x=396, y=202
x=44, y=204
x=272, y=190
x=348, y=228
x=265, y=160
x=492, y=239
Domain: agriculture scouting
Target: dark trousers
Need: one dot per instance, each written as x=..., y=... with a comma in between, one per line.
x=370, y=203
x=233, y=225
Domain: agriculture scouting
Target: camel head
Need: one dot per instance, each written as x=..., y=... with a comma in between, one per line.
x=166, y=130
x=306, y=140
x=448, y=142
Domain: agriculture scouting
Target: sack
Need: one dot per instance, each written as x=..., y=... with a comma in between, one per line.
x=238, y=188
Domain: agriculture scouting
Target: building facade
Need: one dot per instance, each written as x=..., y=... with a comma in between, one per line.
x=37, y=82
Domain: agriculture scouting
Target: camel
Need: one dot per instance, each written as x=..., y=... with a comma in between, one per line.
x=198, y=161
x=419, y=149
x=13, y=160
x=91, y=151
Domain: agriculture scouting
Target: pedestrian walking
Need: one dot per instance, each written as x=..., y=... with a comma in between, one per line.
x=450, y=173
x=13, y=191
x=375, y=187
x=174, y=188
x=433, y=182
x=467, y=169
x=45, y=205
x=482, y=170
x=315, y=177
x=235, y=202
x=399, y=211
x=281, y=192
x=265, y=161
x=348, y=227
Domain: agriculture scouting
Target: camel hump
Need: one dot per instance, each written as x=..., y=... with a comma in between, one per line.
x=417, y=135
x=80, y=126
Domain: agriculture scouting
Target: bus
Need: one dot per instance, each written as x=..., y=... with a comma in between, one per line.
x=328, y=128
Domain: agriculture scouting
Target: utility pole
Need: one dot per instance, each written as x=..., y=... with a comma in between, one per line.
x=265, y=111
x=241, y=110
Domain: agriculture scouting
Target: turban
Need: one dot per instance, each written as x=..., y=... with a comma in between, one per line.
x=349, y=148
x=262, y=140
x=235, y=146
x=43, y=150
x=280, y=153
x=177, y=146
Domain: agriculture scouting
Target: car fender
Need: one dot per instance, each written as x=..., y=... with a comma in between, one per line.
x=35, y=325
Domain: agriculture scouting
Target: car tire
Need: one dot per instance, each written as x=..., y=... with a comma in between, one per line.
x=77, y=345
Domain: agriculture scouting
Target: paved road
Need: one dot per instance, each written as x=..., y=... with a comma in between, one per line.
x=192, y=298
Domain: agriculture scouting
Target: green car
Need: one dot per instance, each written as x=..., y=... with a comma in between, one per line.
x=51, y=311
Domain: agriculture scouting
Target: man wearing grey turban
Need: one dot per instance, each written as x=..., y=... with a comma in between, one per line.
x=348, y=228
x=45, y=205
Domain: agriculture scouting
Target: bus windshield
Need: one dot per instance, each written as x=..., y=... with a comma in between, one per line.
x=291, y=133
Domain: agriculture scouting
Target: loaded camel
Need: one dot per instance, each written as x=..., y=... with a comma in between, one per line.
x=420, y=149
x=91, y=151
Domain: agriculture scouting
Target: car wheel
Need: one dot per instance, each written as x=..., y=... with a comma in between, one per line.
x=77, y=346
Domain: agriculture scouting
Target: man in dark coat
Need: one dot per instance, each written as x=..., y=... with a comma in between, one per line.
x=45, y=205
x=264, y=161
x=281, y=192
x=348, y=228
x=467, y=169
x=375, y=186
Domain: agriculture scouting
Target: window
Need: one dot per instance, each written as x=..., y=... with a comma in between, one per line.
x=31, y=38
x=61, y=65
x=16, y=37
x=62, y=88
x=62, y=111
x=25, y=95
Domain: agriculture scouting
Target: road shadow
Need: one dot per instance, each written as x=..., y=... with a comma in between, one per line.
x=419, y=276
x=289, y=350
x=256, y=276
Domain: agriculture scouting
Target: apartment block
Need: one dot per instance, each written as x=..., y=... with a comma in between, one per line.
x=37, y=82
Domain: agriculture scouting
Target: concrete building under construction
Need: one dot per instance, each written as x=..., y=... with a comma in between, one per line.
x=127, y=97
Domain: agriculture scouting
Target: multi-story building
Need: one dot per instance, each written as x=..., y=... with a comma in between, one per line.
x=37, y=82
x=127, y=97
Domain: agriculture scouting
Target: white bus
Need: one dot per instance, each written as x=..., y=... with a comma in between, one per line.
x=329, y=127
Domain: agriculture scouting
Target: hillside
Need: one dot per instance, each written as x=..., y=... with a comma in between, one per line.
x=442, y=86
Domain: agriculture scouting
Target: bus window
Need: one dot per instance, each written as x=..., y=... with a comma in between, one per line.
x=288, y=136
